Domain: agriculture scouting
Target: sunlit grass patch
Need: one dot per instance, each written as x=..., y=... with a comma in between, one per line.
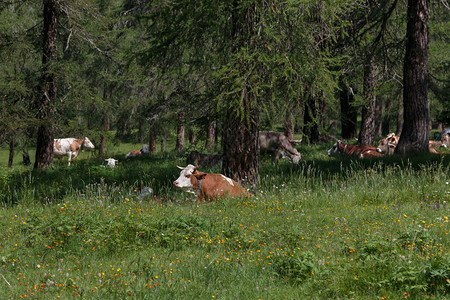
x=322, y=229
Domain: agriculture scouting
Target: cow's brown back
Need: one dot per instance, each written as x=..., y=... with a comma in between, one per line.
x=216, y=186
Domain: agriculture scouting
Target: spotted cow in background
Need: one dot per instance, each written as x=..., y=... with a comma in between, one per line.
x=361, y=151
x=387, y=145
x=143, y=150
x=70, y=147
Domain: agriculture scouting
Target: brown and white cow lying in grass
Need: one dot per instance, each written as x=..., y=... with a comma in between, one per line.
x=278, y=145
x=387, y=145
x=208, y=186
x=143, y=150
x=71, y=147
x=361, y=151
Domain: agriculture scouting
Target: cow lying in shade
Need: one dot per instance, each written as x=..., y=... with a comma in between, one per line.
x=278, y=145
x=387, y=145
x=143, y=150
x=203, y=160
x=208, y=186
x=70, y=147
x=361, y=151
x=445, y=138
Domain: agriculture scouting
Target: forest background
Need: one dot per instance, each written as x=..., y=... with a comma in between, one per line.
x=133, y=71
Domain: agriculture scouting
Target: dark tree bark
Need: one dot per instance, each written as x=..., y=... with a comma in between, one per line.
x=44, y=146
x=415, y=135
x=152, y=140
x=241, y=144
x=163, y=140
x=192, y=136
x=386, y=118
x=180, y=134
x=349, y=113
x=378, y=116
x=26, y=156
x=399, y=126
x=367, y=132
x=310, y=121
x=288, y=125
x=240, y=141
x=11, y=153
x=105, y=125
x=210, y=140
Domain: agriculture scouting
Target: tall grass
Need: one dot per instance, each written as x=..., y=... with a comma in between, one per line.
x=327, y=228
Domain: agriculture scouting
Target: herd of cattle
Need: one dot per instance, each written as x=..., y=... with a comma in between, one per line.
x=386, y=145
x=215, y=186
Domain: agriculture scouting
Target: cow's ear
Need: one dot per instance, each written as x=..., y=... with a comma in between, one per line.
x=200, y=175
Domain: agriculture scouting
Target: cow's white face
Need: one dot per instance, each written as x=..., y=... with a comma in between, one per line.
x=111, y=162
x=296, y=158
x=334, y=150
x=145, y=149
x=184, y=181
x=88, y=143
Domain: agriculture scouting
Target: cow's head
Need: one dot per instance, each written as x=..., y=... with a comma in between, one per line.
x=184, y=180
x=333, y=151
x=111, y=162
x=295, y=158
x=388, y=144
x=383, y=146
x=87, y=143
x=445, y=140
x=145, y=149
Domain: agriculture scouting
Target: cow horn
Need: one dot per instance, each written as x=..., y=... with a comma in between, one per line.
x=181, y=168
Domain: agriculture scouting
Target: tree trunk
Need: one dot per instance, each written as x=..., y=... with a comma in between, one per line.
x=152, y=140
x=210, y=141
x=192, y=137
x=378, y=115
x=240, y=143
x=11, y=153
x=180, y=134
x=105, y=125
x=367, y=132
x=310, y=120
x=386, y=118
x=288, y=125
x=163, y=142
x=44, y=146
x=399, y=129
x=415, y=134
x=349, y=113
x=26, y=156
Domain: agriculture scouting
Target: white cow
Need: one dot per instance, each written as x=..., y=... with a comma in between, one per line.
x=71, y=147
x=111, y=162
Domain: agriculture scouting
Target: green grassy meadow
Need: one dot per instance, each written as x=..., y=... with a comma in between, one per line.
x=328, y=228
